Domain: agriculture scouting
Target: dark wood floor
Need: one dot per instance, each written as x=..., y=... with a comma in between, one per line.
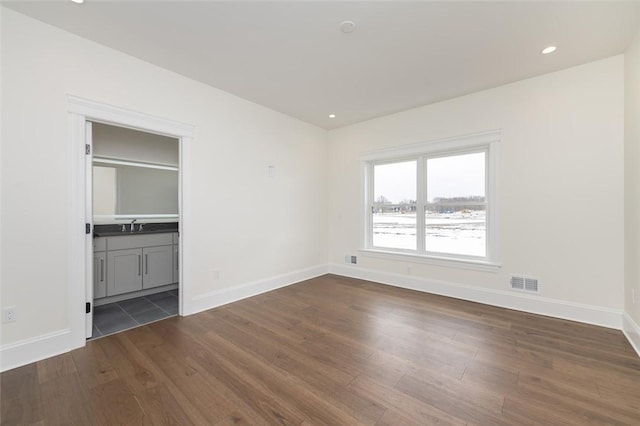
x=337, y=351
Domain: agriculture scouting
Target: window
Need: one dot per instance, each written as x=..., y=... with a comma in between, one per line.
x=455, y=217
x=434, y=200
x=394, y=205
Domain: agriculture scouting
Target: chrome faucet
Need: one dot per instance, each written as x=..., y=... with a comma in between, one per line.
x=132, y=226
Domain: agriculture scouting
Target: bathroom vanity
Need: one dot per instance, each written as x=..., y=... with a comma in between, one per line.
x=132, y=263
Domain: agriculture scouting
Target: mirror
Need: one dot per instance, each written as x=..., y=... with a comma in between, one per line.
x=133, y=190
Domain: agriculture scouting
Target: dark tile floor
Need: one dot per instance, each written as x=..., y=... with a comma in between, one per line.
x=118, y=316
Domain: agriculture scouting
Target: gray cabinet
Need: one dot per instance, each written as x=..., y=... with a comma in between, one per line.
x=128, y=263
x=100, y=244
x=158, y=266
x=99, y=275
x=176, y=264
x=124, y=273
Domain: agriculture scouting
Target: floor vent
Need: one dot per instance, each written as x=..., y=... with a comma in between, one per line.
x=523, y=283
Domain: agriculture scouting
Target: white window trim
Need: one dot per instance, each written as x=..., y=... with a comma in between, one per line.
x=485, y=141
x=444, y=260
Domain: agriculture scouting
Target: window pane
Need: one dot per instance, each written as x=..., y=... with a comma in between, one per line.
x=456, y=205
x=394, y=205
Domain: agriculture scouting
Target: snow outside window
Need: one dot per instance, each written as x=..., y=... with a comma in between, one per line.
x=433, y=204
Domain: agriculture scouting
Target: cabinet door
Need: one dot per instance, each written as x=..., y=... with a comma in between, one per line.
x=176, y=264
x=124, y=271
x=158, y=266
x=99, y=275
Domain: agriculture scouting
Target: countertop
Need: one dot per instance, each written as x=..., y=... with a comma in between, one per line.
x=113, y=230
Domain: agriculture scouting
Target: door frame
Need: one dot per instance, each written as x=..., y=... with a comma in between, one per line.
x=80, y=283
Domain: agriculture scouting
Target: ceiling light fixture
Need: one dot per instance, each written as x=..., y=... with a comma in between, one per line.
x=549, y=49
x=347, y=26
x=78, y=1
x=332, y=116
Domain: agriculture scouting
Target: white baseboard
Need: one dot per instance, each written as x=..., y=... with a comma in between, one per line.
x=51, y=344
x=605, y=317
x=228, y=295
x=631, y=330
x=37, y=348
x=26, y=351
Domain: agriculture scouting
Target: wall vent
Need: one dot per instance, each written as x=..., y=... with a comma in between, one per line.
x=524, y=283
x=351, y=259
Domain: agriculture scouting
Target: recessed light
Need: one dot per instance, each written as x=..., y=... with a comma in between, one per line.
x=549, y=49
x=332, y=116
x=347, y=26
x=78, y=1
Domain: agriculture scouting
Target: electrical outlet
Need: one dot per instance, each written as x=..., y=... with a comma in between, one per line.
x=9, y=314
x=216, y=275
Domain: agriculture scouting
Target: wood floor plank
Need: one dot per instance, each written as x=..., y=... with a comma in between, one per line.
x=337, y=351
x=327, y=381
x=209, y=401
x=401, y=402
x=93, y=366
x=55, y=367
x=113, y=403
x=282, y=385
x=523, y=412
x=21, y=396
x=200, y=358
x=595, y=408
x=160, y=407
x=237, y=418
x=469, y=402
x=65, y=401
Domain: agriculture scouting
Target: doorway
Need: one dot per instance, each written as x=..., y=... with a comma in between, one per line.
x=83, y=113
x=135, y=227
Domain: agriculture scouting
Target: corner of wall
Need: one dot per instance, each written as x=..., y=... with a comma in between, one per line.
x=228, y=295
x=631, y=330
x=632, y=190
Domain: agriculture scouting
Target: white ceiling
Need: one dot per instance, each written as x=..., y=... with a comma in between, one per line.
x=292, y=57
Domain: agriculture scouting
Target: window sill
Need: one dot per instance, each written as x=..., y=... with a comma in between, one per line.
x=447, y=262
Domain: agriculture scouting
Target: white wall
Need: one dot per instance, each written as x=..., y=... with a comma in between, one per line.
x=560, y=189
x=249, y=227
x=632, y=179
x=562, y=146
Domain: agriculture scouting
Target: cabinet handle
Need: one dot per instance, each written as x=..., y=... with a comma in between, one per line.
x=139, y=264
x=101, y=270
x=146, y=264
